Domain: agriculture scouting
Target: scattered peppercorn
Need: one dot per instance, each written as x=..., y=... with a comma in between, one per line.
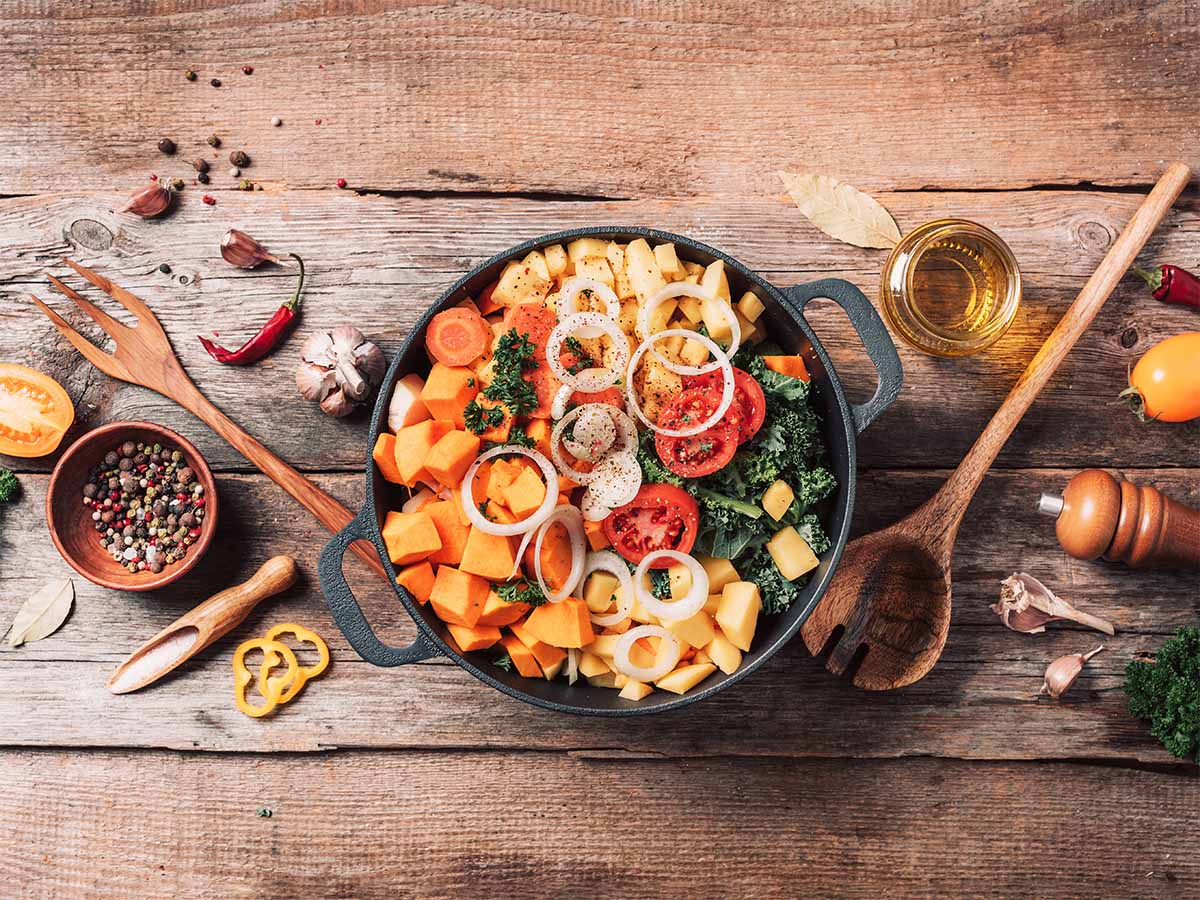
x=245, y=185
x=189, y=75
x=177, y=184
x=263, y=812
x=214, y=141
x=153, y=177
x=247, y=70
x=318, y=121
x=209, y=199
x=166, y=145
x=341, y=182
x=203, y=178
x=216, y=82
x=200, y=165
x=276, y=121
x=239, y=158
x=235, y=172
x=164, y=268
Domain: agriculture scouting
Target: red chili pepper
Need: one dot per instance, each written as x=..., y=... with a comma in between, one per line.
x=1172, y=284
x=269, y=336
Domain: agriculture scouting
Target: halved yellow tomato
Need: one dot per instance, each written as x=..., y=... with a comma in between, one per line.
x=35, y=412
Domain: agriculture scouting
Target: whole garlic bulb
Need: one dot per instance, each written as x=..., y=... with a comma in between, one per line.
x=340, y=369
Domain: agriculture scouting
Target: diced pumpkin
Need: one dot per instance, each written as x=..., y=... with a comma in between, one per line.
x=521, y=656
x=556, y=557
x=538, y=431
x=546, y=655
x=596, y=537
x=685, y=678
x=478, y=638
x=413, y=444
x=384, y=455
x=456, y=499
x=591, y=665
x=635, y=690
x=738, y=613
x=500, y=612
x=410, y=537
x=448, y=389
x=525, y=494
x=417, y=579
x=787, y=365
x=504, y=472
x=458, y=597
x=451, y=530
x=451, y=456
x=496, y=512
x=489, y=556
x=565, y=624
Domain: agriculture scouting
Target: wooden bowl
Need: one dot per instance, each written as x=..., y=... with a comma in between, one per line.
x=71, y=524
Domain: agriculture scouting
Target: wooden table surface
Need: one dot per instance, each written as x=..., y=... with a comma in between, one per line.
x=461, y=130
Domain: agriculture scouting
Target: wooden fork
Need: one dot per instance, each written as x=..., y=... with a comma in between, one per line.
x=144, y=356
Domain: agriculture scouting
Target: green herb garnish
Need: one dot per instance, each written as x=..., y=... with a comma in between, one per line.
x=9, y=486
x=522, y=590
x=1166, y=692
x=479, y=419
x=582, y=359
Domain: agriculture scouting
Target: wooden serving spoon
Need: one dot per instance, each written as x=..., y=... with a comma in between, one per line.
x=891, y=593
x=207, y=623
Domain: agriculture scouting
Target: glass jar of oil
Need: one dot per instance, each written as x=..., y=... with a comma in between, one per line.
x=951, y=287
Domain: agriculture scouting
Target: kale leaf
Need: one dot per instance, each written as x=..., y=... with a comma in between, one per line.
x=1167, y=693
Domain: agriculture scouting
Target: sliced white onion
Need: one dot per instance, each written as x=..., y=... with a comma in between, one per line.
x=593, y=435
x=596, y=378
x=573, y=287
x=572, y=519
x=722, y=363
x=676, y=610
x=558, y=406
x=607, y=561
x=615, y=480
x=626, y=431
x=535, y=518
x=625, y=666
x=417, y=500
x=683, y=289
x=572, y=665
x=525, y=539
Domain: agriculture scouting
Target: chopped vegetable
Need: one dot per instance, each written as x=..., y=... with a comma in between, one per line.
x=457, y=336
x=10, y=488
x=1166, y=692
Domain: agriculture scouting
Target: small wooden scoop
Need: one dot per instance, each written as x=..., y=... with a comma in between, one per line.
x=208, y=622
x=892, y=590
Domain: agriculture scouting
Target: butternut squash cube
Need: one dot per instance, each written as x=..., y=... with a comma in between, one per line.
x=523, y=660
x=451, y=456
x=793, y=557
x=451, y=530
x=777, y=498
x=458, y=597
x=635, y=690
x=384, y=455
x=538, y=431
x=410, y=537
x=500, y=612
x=546, y=655
x=565, y=624
x=448, y=389
x=596, y=537
x=478, y=638
x=417, y=579
x=685, y=678
x=591, y=665
x=724, y=655
x=738, y=613
x=787, y=365
x=551, y=672
x=489, y=556
x=525, y=494
x=556, y=557
x=413, y=444
x=720, y=572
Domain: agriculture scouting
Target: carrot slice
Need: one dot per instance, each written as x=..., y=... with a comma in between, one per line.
x=458, y=336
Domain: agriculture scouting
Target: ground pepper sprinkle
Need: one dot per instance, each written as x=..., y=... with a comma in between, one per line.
x=146, y=505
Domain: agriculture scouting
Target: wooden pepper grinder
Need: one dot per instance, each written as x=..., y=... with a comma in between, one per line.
x=1102, y=515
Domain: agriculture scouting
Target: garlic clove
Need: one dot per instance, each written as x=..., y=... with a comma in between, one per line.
x=318, y=349
x=243, y=251
x=1027, y=605
x=149, y=201
x=314, y=382
x=353, y=385
x=1061, y=673
x=345, y=339
x=337, y=404
x=371, y=362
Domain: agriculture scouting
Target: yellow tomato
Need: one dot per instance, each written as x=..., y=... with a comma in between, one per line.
x=35, y=412
x=1165, y=384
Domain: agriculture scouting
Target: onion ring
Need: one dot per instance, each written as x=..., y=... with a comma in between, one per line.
x=677, y=610
x=595, y=379
x=558, y=406
x=722, y=363
x=684, y=289
x=593, y=435
x=417, y=500
x=573, y=520
x=626, y=433
x=572, y=665
x=607, y=561
x=615, y=480
x=625, y=666
x=577, y=284
x=535, y=518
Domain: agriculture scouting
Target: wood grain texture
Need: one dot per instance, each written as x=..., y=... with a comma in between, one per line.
x=378, y=262
x=445, y=825
x=638, y=100
x=981, y=701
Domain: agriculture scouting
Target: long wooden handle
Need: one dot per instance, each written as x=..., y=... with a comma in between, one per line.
x=962, y=484
x=204, y=625
x=328, y=511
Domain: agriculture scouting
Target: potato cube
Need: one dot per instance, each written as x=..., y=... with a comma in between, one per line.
x=635, y=690
x=714, y=282
x=521, y=283
x=693, y=353
x=750, y=306
x=600, y=591
x=747, y=328
x=724, y=655
x=685, y=678
x=695, y=631
x=668, y=260
x=596, y=268
x=738, y=613
x=661, y=316
x=628, y=317
x=793, y=557
x=694, y=271
x=642, y=268
x=537, y=262
x=604, y=646
x=680, y=578
x=556, y=260
x=608, y=680
x=639, y=614
x=712, y=604
x=582, y=248
x=716, y=315
x=701, y=657
x=690, y=307
x=777, y=499
x=720, y=572
x=591, y=665
x=551, y=671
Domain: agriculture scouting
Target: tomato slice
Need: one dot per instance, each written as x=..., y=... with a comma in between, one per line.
x=35, y=412
x=660, y=517
x=703, y=453
x=747, y=397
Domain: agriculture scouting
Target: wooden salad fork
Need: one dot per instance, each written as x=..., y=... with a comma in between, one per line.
x=143, y=356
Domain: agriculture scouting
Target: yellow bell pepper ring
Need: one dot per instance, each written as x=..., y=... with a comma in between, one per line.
x=273, y=651
x=281, y=687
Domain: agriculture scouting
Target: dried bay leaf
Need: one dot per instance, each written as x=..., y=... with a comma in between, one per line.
x=841, y=211
x=43, y=613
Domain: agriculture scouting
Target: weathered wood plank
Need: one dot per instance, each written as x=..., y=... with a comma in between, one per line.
x=981, y=701
x=644, y=101
x=378, y=262
x=447, y=825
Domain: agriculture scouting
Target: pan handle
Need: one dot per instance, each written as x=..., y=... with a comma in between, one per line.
x=345, y=609
x=871, y=331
